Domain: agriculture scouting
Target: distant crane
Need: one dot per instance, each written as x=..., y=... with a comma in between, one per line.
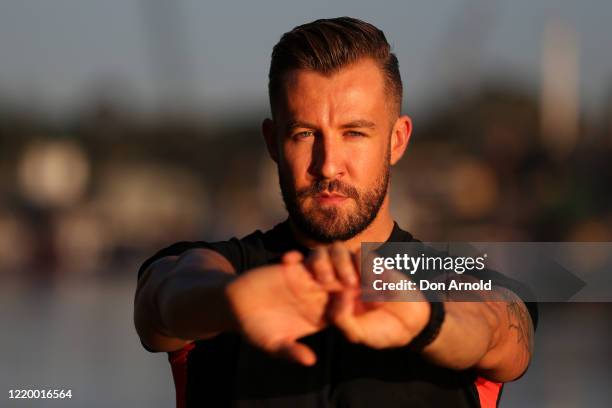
x=172, y=61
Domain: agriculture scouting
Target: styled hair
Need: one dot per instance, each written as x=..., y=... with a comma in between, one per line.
x=327, y=45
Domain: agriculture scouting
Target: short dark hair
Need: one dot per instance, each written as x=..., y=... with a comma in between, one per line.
x=326, y=45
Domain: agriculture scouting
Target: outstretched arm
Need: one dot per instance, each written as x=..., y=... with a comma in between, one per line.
x=198, y=295
x=494, y=338
x=181, y=299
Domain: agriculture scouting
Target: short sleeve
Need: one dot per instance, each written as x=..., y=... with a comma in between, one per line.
x=231, y=250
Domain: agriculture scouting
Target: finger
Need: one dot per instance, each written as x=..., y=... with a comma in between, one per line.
x=366, y=261
x=356, y=259
x=343, y=265
x=320, y=265
x=297, y=352
x=292, y=257
x=342, y=314
x=357, y=254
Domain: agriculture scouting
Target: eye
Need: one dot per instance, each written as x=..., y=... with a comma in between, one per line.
x=303, y=135
x=354, y=133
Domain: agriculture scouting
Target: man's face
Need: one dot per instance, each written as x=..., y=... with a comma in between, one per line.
x=333, y=146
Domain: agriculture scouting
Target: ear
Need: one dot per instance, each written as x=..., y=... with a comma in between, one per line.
x=400, y=137
x=267, y=129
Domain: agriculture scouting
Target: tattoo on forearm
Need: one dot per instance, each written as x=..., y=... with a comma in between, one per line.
x=519, y=320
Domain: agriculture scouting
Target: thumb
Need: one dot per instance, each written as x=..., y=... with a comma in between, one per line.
x=297, y=352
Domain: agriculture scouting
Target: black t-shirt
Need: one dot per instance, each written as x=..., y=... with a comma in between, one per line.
x=227, y=371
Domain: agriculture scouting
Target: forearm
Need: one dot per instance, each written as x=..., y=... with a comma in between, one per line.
x=183, y=299
x=193, y=305
x=494, y=338
x=466, y=335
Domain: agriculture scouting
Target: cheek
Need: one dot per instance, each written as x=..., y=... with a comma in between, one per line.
x=295, y=162
x=366, y=163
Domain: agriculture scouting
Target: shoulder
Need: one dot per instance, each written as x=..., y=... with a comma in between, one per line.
x=240, y=252
x=398, y=234
x=244, y=253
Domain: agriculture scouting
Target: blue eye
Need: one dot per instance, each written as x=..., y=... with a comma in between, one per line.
x=354, y=133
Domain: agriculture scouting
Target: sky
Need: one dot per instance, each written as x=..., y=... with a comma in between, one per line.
x=57, y=55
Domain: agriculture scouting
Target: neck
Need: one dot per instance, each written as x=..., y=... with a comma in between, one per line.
x=379, y=230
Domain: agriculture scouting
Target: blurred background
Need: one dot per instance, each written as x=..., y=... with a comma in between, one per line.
x=128, y=125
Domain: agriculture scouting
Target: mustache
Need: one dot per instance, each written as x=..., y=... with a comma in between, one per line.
x=330, y=186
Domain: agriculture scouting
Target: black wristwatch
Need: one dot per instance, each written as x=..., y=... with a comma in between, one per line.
x=431, y=329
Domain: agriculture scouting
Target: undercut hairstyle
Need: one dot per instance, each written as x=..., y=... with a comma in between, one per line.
x=326, y=46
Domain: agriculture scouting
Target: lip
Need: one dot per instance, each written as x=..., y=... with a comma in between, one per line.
x=326, y=198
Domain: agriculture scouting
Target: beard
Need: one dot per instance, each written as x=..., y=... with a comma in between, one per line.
x=329, y=224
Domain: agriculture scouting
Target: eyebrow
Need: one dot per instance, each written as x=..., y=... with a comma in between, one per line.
x=295, y=124
x=359, y=123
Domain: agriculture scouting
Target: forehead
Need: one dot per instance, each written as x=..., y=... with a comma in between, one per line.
x=357, y=90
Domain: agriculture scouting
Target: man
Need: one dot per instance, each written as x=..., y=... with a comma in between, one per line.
x=275, y=318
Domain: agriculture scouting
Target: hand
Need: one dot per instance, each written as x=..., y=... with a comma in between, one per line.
x=276, y=305
x=374, y=324
x=377, y=324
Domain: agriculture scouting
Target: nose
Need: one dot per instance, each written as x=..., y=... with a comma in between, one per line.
x=327, y=157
